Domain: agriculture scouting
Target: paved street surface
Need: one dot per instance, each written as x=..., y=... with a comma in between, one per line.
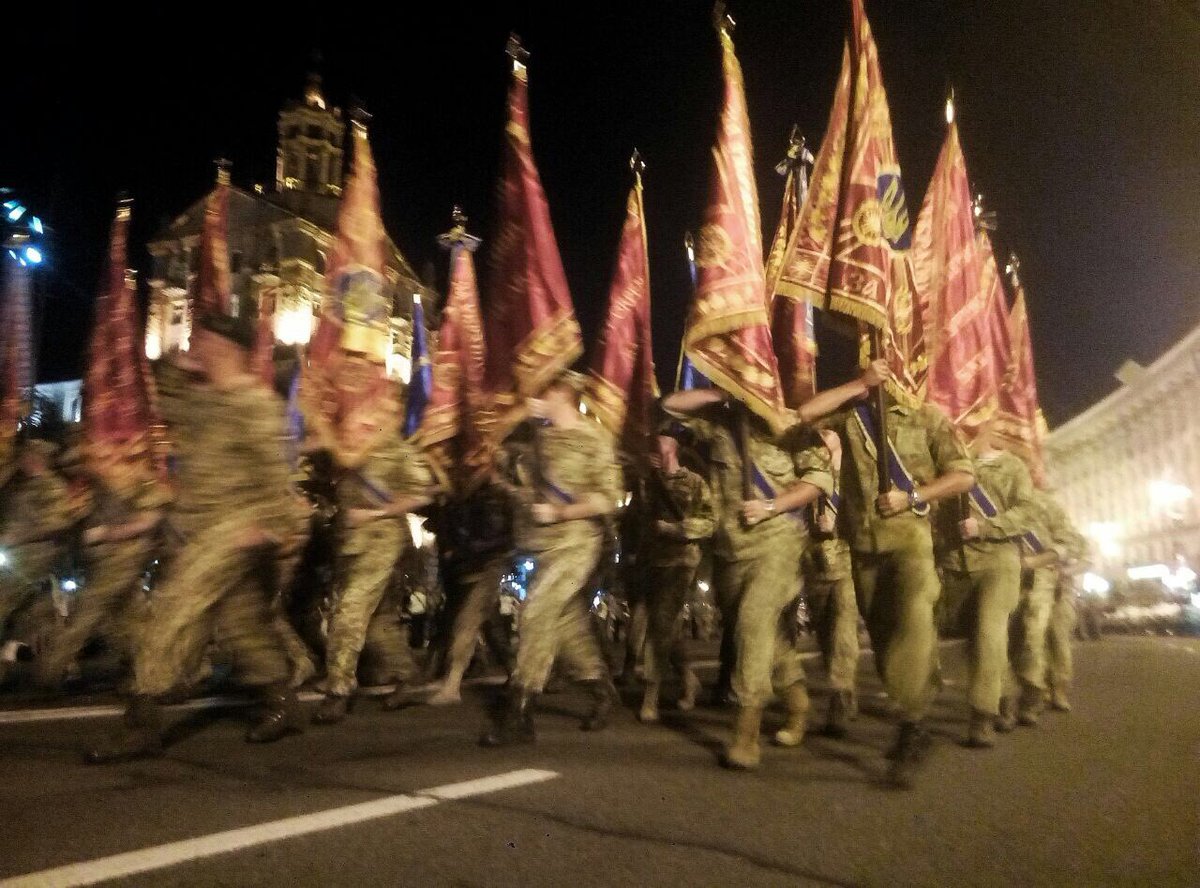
x=1107, y=795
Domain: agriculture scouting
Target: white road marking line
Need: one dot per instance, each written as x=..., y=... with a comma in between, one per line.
x=160, y=856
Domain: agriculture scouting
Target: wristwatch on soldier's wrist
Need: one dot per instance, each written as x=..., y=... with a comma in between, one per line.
x=917, y=505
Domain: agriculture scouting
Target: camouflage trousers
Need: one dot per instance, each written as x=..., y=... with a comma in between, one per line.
x=212, y=591
x=298, y=654
x=555, y=619
x=1032, y=626
x=112, y=605
x=667, y=587
x=480, y=602
x=897, y=590
x=363, y=617
x=1059, y=659
x=834, y=614
x=982, y=602
x=756, y=597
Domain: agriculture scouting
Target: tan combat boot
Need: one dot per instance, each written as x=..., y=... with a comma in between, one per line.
x=744, y=753
x=1030, y=709
x=792, y=732
x=648, y=714
x=1059, y=701
x=982, y=732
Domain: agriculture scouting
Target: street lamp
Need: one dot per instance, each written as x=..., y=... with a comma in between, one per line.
x=1170, y=497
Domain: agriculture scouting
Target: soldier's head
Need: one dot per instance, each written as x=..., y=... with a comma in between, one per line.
x=986, y=440
x=559, y=399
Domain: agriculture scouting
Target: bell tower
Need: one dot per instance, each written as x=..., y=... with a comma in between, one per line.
x=309, y=156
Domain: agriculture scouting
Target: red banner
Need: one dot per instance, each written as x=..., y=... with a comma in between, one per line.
x=1021, y=423
x=347, y=398
x=958, y=301
x=622, y=389
x=791, y=318
x=803, y=270
x=16, y=362
x=728, y=336
x=213, y=287
x=532, y=333
x=454, y=429
x=120, y=423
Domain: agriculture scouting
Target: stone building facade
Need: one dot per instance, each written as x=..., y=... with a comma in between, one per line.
x=1128, y=468
x=278, y=238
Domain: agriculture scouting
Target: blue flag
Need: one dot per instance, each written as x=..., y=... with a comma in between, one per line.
x=420, y=384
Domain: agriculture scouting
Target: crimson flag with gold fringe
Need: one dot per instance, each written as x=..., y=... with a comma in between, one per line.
x=727, y=337
x=121, y=426
x=532, y=333
x=622, y=389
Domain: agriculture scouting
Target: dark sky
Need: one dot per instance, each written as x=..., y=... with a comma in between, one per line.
x=1080, y=121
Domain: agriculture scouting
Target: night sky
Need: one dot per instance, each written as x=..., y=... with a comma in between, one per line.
x=1079, y=118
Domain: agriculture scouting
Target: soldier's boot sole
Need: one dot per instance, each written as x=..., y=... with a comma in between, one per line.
x=745, y=753
x=792, y=733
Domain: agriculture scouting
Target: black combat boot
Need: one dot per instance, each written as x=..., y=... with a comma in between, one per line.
x=604, y=697
x=839, y=715
x=515, y=722
x=140, y=735
x=912, y=747
x=281, y=715
x=399, y=698
x=333, y=709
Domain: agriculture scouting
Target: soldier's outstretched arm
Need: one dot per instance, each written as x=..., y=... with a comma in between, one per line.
x=693, y=400
x=829, y=401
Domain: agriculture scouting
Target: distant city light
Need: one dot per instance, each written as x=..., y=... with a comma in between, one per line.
x=950, y=110
x=69, y=585
x=3, y=559
x=1107, y=536
x=1094, y=584
x=36, y=224
x=16, y=213
x=1169, y=497
x=33, y=255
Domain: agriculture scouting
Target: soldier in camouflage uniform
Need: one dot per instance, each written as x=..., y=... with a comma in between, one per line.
x=678, y=514
x=482, y=560
x=891, y=550
x=980, y=557
x=119, y=539
x=757, y=550
x=234, y=510
x=829, y=593
x=570, y=483
x=35, y=514
x=375, y=494
x=1047, y=581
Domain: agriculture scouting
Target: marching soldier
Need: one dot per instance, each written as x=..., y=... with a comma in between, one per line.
x=570, y=485
x=981, y=572
x=119, y=539
x=757, y=549
x=482, y=558
x=1045, y=572
x=678, y=512
x=891, y=551
x=829, y=593
x=234, y=510
x=376, y=491
x=35, y=513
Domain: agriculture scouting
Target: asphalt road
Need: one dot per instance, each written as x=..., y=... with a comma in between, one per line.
x=1107, y=795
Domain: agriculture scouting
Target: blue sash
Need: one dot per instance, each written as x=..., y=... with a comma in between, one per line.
x=981, y=501
x=897, y=471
